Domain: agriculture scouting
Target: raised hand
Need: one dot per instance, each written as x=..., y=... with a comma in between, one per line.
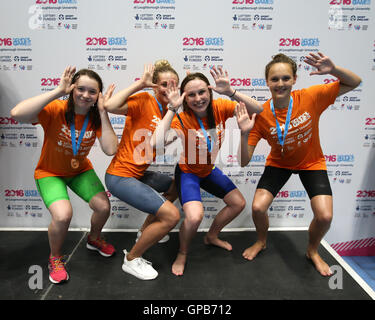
x=245, y=123
x=322, y=63
x=65, y=85
x=173, y=95
x=222, y=82
x=103, y=99
x=146, y=79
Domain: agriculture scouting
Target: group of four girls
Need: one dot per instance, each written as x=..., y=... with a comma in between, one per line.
x=71, y=127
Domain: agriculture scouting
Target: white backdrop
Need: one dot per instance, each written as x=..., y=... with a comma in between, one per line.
x=39, y=38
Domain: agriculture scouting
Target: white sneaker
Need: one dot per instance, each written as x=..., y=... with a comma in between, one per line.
x=162, y=240
x=139, y=267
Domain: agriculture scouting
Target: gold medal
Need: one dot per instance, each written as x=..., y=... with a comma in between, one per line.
x=74, y=163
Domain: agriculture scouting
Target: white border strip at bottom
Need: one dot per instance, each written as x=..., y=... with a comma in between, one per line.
x=349, y=269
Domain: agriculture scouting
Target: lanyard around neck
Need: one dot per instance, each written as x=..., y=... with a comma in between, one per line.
x=209, y=147
x=160, y=107
x=161, y=112
x=287, y=121
x=76, y=145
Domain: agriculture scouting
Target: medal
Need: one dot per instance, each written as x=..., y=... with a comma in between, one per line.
x=74, y=163
x=75, y=145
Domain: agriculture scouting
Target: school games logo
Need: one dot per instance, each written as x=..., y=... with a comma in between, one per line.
x=252, y=15
x=154, y=14
x=53, y=15
x=106, y=53
x=349, y=15
x=202, y=53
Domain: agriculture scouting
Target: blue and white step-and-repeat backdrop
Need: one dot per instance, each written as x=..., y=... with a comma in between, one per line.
x=39, y=38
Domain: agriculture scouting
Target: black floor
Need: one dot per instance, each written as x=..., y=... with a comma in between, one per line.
x=281, y=272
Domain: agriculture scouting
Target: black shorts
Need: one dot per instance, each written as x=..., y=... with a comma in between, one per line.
x=316, y=182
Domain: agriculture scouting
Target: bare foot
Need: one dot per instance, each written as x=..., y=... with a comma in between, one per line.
x=217, y=242
x=320, y=265
x=179, y=264
x=251, y=252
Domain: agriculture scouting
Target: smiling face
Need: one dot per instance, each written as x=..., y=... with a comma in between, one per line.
x=197, y=96
x=280, y=81
x=85, y=94
x=162, y=82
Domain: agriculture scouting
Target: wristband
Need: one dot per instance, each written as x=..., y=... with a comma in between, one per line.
x=232, y=95
x=171, y=108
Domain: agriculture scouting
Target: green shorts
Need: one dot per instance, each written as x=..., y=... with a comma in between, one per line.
x=85, y=185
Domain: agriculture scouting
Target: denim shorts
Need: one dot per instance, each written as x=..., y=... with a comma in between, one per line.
x=143, y=193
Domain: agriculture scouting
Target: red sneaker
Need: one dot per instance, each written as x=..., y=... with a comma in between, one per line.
x=100, y=245
x=57, y=272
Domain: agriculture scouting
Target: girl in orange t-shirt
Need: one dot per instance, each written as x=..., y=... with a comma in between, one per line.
x=127, y=177
x=203, y=119
x=70, y=129
x=290, y=124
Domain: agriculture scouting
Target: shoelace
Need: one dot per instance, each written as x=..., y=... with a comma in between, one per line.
x=142, y=260
x=57, y=263
x=139, y=259
x=100, y=242
x=142, y=263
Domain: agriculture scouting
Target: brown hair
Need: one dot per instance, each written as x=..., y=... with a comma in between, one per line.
x=93, y=112
x=281, y=58
x=210, y=113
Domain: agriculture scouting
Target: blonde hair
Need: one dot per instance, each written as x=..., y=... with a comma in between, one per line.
x=162, y=66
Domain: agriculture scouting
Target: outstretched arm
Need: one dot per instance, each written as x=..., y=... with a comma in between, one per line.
x=27, y=110
x=223, y=87
x=245, y=124
x=108, y=140
x=324, y=65
x=117, y=104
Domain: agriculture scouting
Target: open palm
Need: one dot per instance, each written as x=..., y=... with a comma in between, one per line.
x=222, y=83
x=322, y=63
x=65, y=84
x=102, y=99
x=245, y=123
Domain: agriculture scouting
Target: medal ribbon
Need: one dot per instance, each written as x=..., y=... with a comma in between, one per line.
x=160, y=107
x=287, y=121
x=209, y=147
x=76, y=145
x=161, y=112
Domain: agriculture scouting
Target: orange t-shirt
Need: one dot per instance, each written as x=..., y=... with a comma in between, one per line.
x=57, y=152
x=134, y=154
x=195, y=157
x=302, y=150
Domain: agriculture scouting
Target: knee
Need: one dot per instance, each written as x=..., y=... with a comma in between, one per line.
x=101, y=206
x=324, y=218
x=241, y=204
x=236, y=201
x=238, y=205
x=169, y=214
x=63, y=217
x=194, y=220
x=258, y=208
x=174, y=216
